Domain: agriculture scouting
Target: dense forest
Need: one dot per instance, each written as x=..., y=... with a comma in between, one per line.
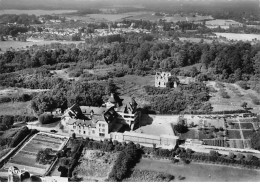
x=138, y=54
x=227, y=62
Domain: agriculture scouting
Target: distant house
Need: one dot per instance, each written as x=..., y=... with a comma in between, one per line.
x=162, y=78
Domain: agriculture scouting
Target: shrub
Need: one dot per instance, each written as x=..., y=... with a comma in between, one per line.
x=125, y=161
x=223, y=93
x=243, y=84
x=180, y=128
x=19, y=136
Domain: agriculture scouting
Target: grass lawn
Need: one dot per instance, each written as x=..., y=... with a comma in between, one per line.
x=195, y=172
x=16, y=108
x=149, y=176
x=234, y=134
x=191, y=134
x=96, y=165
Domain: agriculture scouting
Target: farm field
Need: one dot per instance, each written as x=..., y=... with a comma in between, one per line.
x=25, y=158
x=195, y=172
x=4, y=45
x=35, y=12
x=96, y=165
x=237, y=36
x=113, y=17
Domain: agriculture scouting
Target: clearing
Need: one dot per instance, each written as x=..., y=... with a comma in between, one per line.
x=238, y=36
x=16, y=108
x=237, y=97
x=95, y=165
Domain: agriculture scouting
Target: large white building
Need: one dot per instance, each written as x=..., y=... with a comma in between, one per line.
x=116, y=120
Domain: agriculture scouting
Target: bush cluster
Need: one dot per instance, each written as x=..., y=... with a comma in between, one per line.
x=125, y=161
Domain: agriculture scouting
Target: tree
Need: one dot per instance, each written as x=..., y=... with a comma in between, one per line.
x=45, y=156
x=7, y=122
x=111, y=87
x=180, y=128
x=45, y=118
x=231, y=155
x=172, y=81
x=256, y=60
x=244, y=105
x=194, y=71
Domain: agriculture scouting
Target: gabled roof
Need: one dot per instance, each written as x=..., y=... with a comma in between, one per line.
x=96, y=110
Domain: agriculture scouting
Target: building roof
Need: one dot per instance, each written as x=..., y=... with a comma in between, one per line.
x=96, y=110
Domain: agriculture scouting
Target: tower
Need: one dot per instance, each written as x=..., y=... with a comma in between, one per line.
x=161, y=79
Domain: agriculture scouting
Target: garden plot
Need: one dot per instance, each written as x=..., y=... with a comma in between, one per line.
x=25, y=158
x=95, y=165
x=248, y=133
x=247, y=126
x=234, y=134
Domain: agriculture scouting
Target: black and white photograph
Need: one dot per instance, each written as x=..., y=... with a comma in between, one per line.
x=129, y=91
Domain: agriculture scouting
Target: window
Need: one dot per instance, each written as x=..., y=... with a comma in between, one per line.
x=103, y=125
x=84, y=132
x=101, y=134
x=79, y=131
x=103, y=130
x=74, y=127
x=99, y=125
x=93, y=131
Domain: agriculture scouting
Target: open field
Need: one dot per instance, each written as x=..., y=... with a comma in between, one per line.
x=149, y=176
x=16, y=108
x=35, y=12
x=195, y=172
x=8, y=92
x=237, y=36
x=96, y=165
x=196, y=40
x=4, y=45
x=132, y=85
x=114, y=17
x=237, y=97
x=157, y=125
x=25, y=158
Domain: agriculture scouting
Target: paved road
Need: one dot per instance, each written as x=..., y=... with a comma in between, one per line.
x=48, y=128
